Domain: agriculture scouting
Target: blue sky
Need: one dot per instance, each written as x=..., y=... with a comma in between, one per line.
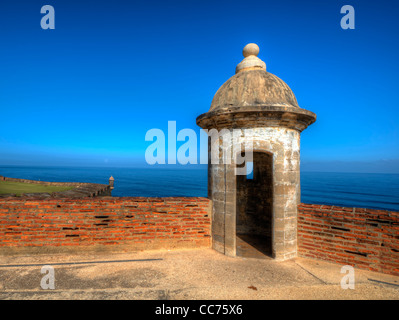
x=87, y=92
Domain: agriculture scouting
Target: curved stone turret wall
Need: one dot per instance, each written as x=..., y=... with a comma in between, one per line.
x=283, y=145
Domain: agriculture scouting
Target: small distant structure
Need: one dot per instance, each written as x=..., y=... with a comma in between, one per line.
x=259, y=210
x=111, y=183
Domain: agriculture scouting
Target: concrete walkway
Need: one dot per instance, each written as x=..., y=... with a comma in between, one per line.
x=184, y=274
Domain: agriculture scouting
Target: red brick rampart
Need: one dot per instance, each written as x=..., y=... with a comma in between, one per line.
x=363, y=238
x=132, y=223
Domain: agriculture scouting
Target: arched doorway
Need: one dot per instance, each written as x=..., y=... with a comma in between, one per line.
x=254, y=208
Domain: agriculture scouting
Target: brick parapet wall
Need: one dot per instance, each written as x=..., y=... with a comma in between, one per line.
x=133, y=223
x=363, y=238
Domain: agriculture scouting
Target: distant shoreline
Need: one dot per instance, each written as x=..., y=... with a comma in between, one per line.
x=364, y=190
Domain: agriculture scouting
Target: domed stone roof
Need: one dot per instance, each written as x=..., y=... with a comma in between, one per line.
x=251, y=88
x=255, y=97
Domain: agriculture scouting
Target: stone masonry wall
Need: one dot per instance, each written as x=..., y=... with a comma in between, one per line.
x=364, y=238
x=133, y=223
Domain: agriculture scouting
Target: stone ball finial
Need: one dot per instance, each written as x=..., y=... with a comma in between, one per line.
x=250, y=61
x=251, y=49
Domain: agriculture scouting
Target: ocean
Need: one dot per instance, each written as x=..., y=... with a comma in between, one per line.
x=364, y=190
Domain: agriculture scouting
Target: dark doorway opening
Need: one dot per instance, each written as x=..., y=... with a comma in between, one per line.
x=254, y=208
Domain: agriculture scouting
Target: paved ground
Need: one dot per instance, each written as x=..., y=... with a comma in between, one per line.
x=184, y=274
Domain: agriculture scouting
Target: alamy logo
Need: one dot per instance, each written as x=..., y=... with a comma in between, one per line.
x=348, y=20
x=48, y=280
x=226, y=147
x=348, y=281
x=48, y=21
